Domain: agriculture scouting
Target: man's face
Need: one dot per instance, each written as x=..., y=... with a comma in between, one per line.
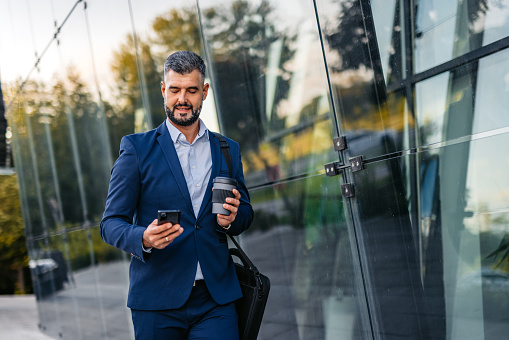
x=183, y=96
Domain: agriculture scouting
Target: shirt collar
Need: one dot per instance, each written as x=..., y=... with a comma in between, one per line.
x=176, y=134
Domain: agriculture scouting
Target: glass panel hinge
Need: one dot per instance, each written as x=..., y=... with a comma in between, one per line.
x=332, y=169
x=347, y=190
x=339, y=143
x=356, y=163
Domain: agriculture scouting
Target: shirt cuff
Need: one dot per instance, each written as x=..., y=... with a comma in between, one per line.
x=146, y=250
x=224, y=228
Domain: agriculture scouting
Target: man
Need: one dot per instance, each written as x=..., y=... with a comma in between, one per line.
x=183, y=282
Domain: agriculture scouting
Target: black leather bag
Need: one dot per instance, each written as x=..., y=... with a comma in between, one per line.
x=255, y=290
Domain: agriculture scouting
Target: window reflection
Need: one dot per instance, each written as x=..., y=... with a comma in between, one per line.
x=268, y=66
x=314, y=290
x=430, y=107
x=448, y=29
x=492, y=94
x=267, y=71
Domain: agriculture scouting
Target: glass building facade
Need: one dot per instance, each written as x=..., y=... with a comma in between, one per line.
x=373, y=136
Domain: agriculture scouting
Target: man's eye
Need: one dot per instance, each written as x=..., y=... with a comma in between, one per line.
x=192, y=91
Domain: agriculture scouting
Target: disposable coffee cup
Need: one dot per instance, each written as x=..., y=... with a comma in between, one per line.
x=223, y=188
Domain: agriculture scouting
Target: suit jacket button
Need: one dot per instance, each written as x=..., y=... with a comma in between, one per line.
x=197, y=227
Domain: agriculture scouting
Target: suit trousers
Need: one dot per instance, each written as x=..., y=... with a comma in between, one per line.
x=200, y=318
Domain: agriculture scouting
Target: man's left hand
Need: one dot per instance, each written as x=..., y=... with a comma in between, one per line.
x=232, y=204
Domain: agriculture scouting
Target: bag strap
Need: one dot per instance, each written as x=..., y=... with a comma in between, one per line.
x=225, y=149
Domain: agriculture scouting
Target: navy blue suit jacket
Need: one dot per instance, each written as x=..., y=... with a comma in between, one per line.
x=146, y=177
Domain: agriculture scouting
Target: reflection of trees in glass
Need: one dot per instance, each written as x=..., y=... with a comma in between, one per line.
x=13, y=253
x=177, y=30
x=172, y=31
x=127, y=89
x=241, y=38
x=91, y=153
x=347, y=36
x=51, y=105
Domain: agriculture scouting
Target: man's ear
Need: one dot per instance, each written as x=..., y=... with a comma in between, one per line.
x=205, y=90
x=163, y=88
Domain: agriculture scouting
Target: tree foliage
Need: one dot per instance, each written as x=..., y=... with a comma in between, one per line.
x=177, y=30
x=13, y=253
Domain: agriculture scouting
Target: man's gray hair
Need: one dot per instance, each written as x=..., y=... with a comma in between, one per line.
x=184, y=62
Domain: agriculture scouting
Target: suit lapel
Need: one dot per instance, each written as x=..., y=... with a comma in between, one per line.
x=166, y=143
x=216, y=167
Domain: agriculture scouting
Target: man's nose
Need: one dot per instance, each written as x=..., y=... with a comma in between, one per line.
x=182, y=97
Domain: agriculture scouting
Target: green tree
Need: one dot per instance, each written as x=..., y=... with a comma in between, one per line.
x=13, y=253
x=129, y=91
x=177, y=30
x=241, y=37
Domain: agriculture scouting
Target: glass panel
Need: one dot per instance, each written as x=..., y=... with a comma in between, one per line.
x=112, y=272
x=483, y=271
x=270, y=84
x=89, y=147
x=372, y=119
x=31, y=125
x=446, y=278
x=464, y=102
x=492, y=88
x=300, y=239
x=18, y=36
x=387, y=25
x=434, y=33
x=431, y=103
x=449, y=29
x=469, y=216
x=25, y=168
x=46, y=279
x=389, y=250
x=80, y=304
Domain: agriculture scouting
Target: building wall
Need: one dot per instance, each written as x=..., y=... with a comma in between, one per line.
x=407, y=242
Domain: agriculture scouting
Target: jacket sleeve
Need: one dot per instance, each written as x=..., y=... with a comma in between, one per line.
x=123, y=194
x=245, y=213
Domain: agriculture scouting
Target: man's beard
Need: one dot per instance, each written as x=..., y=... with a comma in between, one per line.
x=183, y=122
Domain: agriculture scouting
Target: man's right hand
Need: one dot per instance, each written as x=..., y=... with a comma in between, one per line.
x=160, y=236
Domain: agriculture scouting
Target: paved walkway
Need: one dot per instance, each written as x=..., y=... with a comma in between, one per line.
x=19, y=318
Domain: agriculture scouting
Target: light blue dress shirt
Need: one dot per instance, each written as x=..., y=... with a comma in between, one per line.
x=196, y=163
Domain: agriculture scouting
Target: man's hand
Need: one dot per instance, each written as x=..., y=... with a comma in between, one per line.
x=160, y=236
x=232, y=204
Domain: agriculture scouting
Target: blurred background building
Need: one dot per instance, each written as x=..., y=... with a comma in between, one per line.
x=405, y=103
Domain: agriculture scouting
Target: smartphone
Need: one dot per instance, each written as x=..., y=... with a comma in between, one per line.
x=165, y=216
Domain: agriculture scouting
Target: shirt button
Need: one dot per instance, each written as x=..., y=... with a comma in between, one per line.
x=198, y=185
x=193, y=167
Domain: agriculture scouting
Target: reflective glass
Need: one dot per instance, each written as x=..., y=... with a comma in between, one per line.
x=300, y=239
x=31, y=122
x=492, y=93
x=18, y=36
x=374, y=121
x=449, y=29
x=386, y=16
x=25, y=167
x=420, y=251
x=446, y=277
x=270, y=85
x=80, y=304
x=48, y=276
x=388, y=250
x=112, y=268
x=463, y=102
x=89, y=146
x=470, y=225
